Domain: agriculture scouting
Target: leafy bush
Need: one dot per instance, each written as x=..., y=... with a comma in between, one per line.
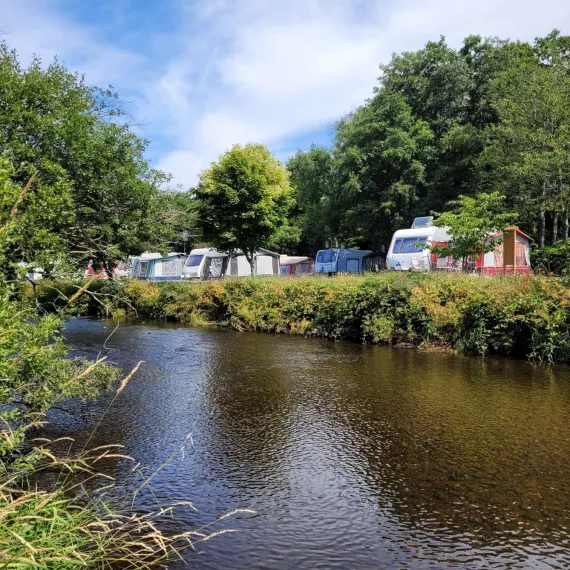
x=553, y=259
x=523, y=316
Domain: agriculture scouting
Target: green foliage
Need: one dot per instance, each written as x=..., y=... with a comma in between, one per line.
x=492, y=116
x=552, y=259
x=243, y=200
x=93, y=191
x=30, y=219
x=174, y=216
x=527, y=317
x=35, y=374
x=313, y=179
x=381, y=150
x=530, y=145
x=470, y=222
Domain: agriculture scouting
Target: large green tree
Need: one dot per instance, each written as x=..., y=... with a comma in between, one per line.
x=529, y=151
x=78, y=142
x=244, y=200
x=444, y=123
x=382, y=149
x=314, y=179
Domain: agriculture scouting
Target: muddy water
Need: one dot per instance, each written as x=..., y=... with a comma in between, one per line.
x=353, y=456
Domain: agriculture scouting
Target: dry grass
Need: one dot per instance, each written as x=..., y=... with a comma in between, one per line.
x=69, y=525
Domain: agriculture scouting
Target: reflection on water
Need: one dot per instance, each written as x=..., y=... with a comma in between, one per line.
x=353, y=456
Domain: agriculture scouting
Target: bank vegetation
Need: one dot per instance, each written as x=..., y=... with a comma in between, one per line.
x=520, y=316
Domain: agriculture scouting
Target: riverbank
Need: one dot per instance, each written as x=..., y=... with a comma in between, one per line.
x=518, y=316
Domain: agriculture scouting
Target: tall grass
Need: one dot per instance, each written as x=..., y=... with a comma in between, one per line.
x=84, y=518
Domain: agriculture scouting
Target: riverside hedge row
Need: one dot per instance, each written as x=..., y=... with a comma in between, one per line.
x=523, y=316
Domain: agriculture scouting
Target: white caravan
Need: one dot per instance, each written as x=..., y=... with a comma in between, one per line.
x=410, y=248
x=205, y=263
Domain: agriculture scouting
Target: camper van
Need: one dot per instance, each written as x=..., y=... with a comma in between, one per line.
x=205, y=263
x=409, y=249
x=341, y=260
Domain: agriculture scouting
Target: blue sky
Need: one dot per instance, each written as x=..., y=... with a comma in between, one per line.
x=202, y=75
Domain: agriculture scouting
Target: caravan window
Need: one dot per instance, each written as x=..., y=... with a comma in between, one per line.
x=326, y=256
x=397, y=244
x=413, y=244
x=194, y=260
x=329, y=256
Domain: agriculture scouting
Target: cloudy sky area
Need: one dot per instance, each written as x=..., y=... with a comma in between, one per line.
x=205, y=74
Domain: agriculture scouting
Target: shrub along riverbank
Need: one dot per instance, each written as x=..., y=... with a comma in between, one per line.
x=520, y=316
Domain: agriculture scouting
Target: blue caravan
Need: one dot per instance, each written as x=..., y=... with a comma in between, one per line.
x=341, y=260
x=153, y=267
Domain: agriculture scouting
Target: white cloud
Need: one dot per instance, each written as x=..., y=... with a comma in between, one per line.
x=253, y=70
x=276, y=69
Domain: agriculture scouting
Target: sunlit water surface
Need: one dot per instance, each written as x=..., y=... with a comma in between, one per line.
x=352, y=456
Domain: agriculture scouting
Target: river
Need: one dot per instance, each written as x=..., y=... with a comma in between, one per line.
x=352, y=456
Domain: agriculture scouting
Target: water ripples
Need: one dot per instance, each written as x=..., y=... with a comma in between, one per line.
x=354, y=457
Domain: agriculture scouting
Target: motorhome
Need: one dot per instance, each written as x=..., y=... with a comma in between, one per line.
x=409, y=249
x=205, y=263
x=340, y=260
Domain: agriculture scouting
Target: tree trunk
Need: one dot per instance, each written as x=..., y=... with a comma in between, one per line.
x=540, y=229
x=554, y=228
x=541, y=219
x=565, y=224
x=251, y=260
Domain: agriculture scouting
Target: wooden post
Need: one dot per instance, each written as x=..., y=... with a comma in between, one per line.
x=509, y=250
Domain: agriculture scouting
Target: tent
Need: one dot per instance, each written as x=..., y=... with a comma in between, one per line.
x=266, y=263
x=152, y=268
x=296, y=265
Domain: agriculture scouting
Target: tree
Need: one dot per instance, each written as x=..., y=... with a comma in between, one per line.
x=381, y=149
x=529, y=150
x=470, y=222
x=243, y=200
x=313, y=177
x=79, y=141
x=174, y=225
x=30, y=220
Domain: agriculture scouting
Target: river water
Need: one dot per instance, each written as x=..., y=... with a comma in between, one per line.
x=352, y=456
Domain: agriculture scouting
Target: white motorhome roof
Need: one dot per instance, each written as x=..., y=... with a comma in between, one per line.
x=429, y=231
x=210, y=251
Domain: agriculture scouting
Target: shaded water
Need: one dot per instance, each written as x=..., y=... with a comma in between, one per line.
x=353, y=456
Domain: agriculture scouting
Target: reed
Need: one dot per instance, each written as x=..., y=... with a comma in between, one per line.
x=60, y=510
x=86, y=519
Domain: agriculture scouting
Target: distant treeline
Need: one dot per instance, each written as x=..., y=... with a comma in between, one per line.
x=493, y=115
